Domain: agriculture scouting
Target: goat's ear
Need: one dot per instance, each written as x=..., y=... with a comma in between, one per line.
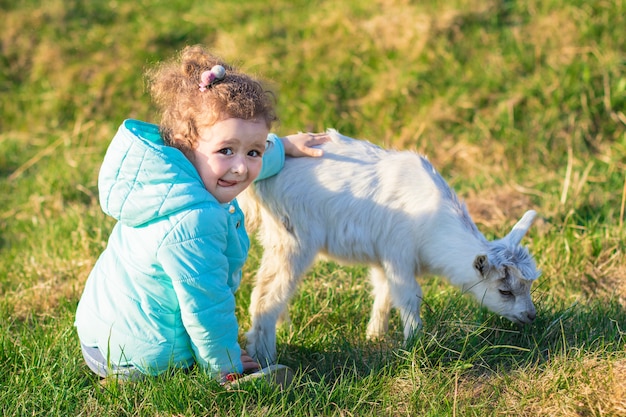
x=481, y=264
x=522, y=226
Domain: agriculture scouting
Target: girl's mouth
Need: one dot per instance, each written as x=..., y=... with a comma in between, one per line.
x=224, y=183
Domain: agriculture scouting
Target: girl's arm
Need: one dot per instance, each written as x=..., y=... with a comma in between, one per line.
x=273, y=158
x=194, y=257
x=297, y=145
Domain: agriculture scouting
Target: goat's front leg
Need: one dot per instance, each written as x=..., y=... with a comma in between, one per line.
x=406, y=295
x=277, y=279
x=265, y=310
x=379, y=319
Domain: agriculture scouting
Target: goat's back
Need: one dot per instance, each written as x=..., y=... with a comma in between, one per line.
x=351, y=201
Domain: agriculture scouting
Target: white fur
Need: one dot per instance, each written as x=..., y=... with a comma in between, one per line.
x=387, y=209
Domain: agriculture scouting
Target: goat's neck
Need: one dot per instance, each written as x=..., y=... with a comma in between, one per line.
x=452, y=255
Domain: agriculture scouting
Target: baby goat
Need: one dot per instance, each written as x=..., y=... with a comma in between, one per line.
x=390, y=210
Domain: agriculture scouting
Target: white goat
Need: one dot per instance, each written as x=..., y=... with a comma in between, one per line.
x=390, y=210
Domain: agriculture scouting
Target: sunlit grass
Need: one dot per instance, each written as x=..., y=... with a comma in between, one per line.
x=519, y=105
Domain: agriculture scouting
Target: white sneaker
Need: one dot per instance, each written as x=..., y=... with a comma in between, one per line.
x=280, y=375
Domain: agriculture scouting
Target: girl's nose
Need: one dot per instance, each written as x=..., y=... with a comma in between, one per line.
x=239, y=165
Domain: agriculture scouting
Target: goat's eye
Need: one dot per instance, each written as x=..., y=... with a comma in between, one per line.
x=506, y=293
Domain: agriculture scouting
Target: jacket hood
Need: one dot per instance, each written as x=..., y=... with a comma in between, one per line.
x=142, y=179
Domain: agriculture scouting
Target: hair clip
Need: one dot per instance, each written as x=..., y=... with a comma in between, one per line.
x=211, y=76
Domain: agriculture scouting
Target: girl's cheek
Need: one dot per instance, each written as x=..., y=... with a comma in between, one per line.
x=255, y=169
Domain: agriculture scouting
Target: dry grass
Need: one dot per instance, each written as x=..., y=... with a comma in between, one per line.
x=593, y=387
x=519, y=104
x=56, y=282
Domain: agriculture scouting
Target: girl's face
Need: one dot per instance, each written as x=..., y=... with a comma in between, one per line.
x=229, y=156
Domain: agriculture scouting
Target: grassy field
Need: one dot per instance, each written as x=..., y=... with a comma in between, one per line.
x=520, y=104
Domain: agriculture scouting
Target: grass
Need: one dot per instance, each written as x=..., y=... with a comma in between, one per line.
x=519, y=104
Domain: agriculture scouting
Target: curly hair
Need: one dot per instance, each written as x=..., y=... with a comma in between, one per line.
x=184, y=109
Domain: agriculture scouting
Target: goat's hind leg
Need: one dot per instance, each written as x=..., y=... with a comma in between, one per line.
x=282, y=266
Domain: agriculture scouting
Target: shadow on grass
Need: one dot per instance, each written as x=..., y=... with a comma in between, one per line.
x=481, y=342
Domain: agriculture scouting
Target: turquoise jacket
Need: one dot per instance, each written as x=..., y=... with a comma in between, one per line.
x=162, y=293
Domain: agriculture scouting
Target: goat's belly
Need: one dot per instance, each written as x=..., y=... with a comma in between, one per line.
x=355, y=259
x=350, y=251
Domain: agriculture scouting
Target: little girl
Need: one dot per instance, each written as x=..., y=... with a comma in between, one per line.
x=161, y=295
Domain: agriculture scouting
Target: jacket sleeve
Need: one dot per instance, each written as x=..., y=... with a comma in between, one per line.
x=193, y=256
x=273, y=158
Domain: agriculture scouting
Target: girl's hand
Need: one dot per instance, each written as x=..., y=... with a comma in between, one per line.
x=301, y=144
x=249, y=364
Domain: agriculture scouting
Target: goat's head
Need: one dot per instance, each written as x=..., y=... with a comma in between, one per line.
x=506, y=274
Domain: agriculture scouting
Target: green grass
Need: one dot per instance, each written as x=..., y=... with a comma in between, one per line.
x=519, y=104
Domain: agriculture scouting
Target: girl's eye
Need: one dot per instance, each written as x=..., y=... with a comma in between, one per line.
x=254, y=154
x=226, y=151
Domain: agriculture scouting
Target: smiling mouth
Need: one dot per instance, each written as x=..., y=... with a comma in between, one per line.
x=224, y=183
